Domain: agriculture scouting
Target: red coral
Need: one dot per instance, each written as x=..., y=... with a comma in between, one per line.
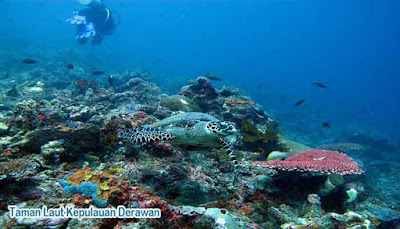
x=144, y=199
x=315, y=161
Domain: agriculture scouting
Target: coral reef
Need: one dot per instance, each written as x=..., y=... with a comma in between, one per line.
x=138, y=91
x=202, y=92
x=179, y=103
x=264, y=139
x=316, y=161
x=75, y=140
x=83, y=85
x=98, y=186
x=52, y=150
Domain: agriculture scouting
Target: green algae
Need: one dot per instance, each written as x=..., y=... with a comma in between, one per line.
x=265, y=142
x=251, y=134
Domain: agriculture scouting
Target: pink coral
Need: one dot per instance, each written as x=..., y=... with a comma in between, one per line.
x=316, y=160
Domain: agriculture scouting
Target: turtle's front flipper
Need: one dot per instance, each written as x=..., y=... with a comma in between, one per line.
x=231, y=152
x=146, y=134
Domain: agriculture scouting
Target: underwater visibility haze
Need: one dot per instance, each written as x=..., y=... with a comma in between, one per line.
x=222, y=114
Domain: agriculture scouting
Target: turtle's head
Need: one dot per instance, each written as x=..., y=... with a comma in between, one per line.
x=222, y=128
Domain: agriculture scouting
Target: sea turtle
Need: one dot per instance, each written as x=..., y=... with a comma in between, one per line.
x=183, y=119
x=203, y=130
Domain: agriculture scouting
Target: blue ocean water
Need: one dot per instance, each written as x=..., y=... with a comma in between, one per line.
x=273, y=50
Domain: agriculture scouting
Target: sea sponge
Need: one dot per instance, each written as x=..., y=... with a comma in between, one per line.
x=88, y=189
x=98, y=186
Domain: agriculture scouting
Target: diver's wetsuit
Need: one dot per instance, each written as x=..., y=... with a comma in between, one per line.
x=102, y=20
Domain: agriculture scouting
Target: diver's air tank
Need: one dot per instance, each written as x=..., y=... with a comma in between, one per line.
x=91, y=3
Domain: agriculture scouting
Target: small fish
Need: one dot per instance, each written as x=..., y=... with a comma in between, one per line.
x=241, y=102
x=277, y=155
x=6, y=75
x=29, y=61
x=259, y=86
x=326, y=125
x=97, y=73
x=70, y=66
x=320, y=85
x=298, y=103
x=211, y=76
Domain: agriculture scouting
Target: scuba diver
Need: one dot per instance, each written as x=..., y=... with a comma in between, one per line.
x=94, y=22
